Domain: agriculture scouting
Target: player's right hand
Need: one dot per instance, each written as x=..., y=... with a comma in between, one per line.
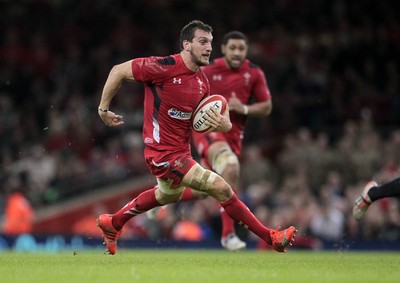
x=111, y=119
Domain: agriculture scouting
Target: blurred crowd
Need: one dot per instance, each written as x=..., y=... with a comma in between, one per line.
x=332, y=67
x=312, y=184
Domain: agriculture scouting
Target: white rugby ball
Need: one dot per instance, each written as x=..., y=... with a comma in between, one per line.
x=198, y=121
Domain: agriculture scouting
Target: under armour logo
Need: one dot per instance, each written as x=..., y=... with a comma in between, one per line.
x=177, y=81
x=217, y=77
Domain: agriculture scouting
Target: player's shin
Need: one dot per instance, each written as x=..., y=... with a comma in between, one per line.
x=238, y=211
x=142, y=203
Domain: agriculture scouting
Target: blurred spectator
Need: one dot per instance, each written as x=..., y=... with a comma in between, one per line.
x=190, y=228
x=328, y=222
x=256, y=167
x=19, y=215
x=335, y=78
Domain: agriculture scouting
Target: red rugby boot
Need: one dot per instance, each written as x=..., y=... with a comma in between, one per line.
x=110, y=234
x=282, y=239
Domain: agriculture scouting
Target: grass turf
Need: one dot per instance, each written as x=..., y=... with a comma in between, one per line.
x=200, y=266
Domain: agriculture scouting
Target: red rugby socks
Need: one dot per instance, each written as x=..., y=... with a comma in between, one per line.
x=142, y=203
x=239, y=212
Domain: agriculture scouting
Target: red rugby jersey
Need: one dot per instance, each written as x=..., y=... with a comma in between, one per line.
x=172, y=92
x=246, y=83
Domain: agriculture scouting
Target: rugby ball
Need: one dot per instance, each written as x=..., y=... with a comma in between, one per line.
x=198, y=121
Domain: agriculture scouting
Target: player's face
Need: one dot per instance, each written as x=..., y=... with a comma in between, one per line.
x=235, y=51
x=200, y=47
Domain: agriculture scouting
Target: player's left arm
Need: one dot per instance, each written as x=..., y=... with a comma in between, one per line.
x=263, y=108
x=262, y=95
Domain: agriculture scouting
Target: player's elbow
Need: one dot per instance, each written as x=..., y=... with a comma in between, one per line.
x=267, y=108
x=115, y=74
x=116, y=70
x=122, y=71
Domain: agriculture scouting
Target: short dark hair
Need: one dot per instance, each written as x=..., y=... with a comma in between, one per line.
x=234, y=35
x=187, y=33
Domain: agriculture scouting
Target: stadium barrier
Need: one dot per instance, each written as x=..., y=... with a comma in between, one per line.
x=60, y=243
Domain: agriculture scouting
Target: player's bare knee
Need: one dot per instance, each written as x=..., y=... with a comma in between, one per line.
x=210, y=183
x=221, y=190
x=225, y=160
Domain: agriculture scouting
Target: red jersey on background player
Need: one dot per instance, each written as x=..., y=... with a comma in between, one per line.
x=239, y=81
x=174, y=85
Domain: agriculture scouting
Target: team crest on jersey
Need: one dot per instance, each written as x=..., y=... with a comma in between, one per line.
x=178, y=163
x=247, y=77
x=180, y=115
x=201, y=85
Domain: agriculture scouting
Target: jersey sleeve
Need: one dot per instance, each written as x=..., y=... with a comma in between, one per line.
x=148, y=69
x=261, y=90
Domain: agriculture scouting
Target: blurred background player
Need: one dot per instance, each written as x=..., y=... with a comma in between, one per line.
x=175, y=84
x=244, y=86
x=372, y=192
x=240, y=82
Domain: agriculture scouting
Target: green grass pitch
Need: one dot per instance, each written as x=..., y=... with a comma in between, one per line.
x=200, y=266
